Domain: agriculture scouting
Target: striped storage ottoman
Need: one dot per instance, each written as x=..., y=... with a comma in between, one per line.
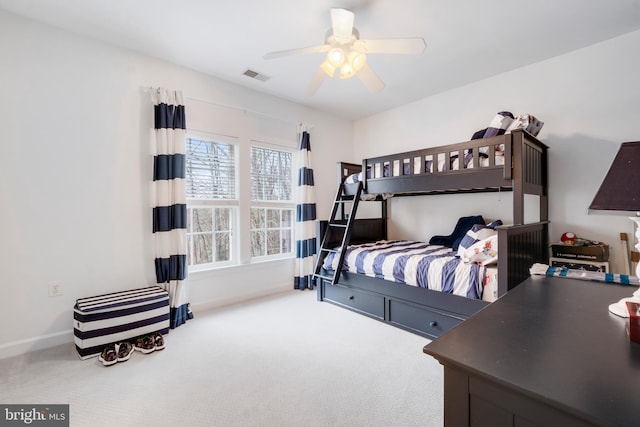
x=110, y=318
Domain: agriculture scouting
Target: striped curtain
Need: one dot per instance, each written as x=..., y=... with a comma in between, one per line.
x=168, y=199
x=305, y=227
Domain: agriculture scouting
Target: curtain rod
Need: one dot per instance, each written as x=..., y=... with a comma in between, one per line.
x=249, y=111
x=301, y=126
x=236, y=138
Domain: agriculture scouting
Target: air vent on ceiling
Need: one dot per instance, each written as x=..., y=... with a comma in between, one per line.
x=256, y=75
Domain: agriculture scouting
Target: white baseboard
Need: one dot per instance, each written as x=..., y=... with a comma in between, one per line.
x=41, y=342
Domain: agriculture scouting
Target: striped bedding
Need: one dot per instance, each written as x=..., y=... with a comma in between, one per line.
x=416, y=264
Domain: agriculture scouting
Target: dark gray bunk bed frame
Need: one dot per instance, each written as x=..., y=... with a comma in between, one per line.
x=423, y=311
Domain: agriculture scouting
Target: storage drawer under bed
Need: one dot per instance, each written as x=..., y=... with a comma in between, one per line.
x=363, y=302
x=420, y=319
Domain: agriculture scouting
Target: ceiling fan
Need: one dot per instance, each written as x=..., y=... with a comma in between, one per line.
x=347, y=53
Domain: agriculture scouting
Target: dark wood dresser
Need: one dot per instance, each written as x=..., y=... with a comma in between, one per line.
x=548, y=353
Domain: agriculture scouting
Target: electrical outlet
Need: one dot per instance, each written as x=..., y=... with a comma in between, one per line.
x=55, y=288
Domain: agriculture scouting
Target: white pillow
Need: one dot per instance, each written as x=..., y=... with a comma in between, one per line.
x=527, y=122
x=483, y=252
x=477, y=232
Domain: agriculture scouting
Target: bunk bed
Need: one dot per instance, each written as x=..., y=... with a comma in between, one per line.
x=515, y=162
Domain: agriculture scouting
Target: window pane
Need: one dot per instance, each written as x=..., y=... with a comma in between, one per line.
x=210, y=169
x=223, y=219
x=202, y=249
x=273, y=242
x=223, y=247
x=276, y=231
x=270, y=174
x=257, y=243
x=210, y=238
x=257, y=218
x=202, y=220
x=286, y=218
x=273, y=218
x=286, y=241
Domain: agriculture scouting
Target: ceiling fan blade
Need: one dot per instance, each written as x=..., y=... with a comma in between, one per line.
x=300, y=51
x=370, y=79
x=342, y=23
x=414, y=45
x=315, y=82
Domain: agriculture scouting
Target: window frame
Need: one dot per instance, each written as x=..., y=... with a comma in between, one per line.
x=240, y=239
x=233, y=241
x=281, y=205
x=233, y=204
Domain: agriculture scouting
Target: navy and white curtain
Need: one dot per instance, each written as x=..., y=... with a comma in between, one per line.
x=168, y=199
x=305, y=226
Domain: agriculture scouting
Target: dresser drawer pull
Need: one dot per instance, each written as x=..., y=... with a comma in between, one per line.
x=351, y=297
x=433, y=323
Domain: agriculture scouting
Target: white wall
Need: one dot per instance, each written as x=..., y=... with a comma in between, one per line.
x=588, y=100
x=75, y=118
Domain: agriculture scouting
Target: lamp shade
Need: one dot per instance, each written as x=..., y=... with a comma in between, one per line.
x=620, y=189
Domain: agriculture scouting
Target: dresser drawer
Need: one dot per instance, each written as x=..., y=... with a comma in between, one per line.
x=420, y=319
x=363, y=302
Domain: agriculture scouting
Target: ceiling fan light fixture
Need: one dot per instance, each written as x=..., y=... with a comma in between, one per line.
x=357, y=60
x=347, y=71
x=336, y=57
x=328, y=68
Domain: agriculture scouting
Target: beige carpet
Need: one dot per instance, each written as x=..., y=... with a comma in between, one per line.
x=285, y=360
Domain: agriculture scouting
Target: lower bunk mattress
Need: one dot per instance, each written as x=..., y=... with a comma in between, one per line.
x=419, y=264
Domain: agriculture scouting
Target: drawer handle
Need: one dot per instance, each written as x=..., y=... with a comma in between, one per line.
x=351, y=298
x=433, y=323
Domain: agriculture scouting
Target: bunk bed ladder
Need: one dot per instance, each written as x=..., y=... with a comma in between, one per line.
x=338, y=225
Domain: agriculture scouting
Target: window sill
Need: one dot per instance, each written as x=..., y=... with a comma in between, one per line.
x=247, y=266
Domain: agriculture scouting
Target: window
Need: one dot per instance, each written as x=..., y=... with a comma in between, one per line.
x=212, y=201
x=240, y=205
x=271, y=203
x=271, y=231
x=270, y=174
x=211, y=170
x=209, y=231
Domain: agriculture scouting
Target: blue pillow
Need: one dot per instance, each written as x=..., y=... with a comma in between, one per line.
x=494, y=224
x=453, y=240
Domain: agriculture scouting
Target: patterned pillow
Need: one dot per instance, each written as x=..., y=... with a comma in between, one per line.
x=483, y=252
x=527, y=122
x=498, y=126
x=478, y=232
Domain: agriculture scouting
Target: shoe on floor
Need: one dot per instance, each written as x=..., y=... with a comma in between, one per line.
x=158, y=340
x=125, y=350
x=145, y=344
x=108, y=356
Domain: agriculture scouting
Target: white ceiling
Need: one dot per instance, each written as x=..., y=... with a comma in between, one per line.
x=467, y=40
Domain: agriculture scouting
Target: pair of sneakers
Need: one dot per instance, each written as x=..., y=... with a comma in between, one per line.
x=149, y=343
x=116, y=352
